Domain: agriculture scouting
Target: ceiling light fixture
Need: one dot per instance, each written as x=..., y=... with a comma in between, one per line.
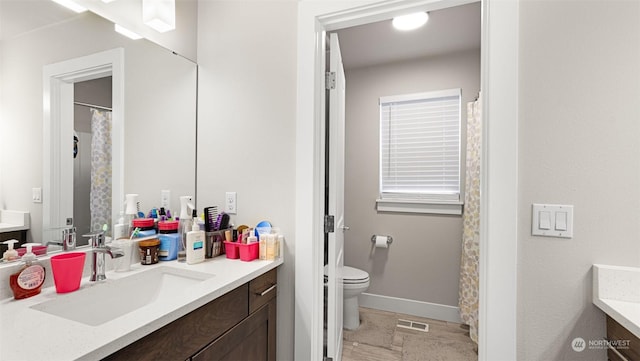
x=159, y=14
x=411, y=21
x=71, y=5
x=126, y=32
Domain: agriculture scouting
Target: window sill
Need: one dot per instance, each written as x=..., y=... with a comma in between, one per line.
x=419, y=206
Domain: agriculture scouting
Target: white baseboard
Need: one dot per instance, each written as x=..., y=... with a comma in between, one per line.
x=410, y=307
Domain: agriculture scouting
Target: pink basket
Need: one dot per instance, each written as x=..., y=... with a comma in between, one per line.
x=231, y=249
x=249, y=252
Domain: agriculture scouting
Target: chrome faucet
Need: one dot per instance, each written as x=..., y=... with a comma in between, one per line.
x=68, y=241
x=98, y=250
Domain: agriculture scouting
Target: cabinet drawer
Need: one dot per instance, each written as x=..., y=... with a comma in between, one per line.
x=262, y=289
x=629, y=344
x=185, y=336
x=248, y=340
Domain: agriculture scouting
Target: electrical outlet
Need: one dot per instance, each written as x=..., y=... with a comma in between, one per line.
x=231, y=203
x=165, y=199
x=36, y=195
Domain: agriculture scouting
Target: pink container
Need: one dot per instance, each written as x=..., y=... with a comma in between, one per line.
x=249, y=251
x=37, y=250
x=67, y=271
x=231, y=249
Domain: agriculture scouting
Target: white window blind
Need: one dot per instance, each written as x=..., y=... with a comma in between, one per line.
x=420, y=147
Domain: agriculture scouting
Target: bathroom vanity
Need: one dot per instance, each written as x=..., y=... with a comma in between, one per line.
x=616, y=291
x=13, y=225
x=240, y=325
x=220, y=309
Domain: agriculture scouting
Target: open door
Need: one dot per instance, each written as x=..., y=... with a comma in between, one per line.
x=334, y=219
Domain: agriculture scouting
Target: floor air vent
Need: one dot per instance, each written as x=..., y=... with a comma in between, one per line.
x=413, y=325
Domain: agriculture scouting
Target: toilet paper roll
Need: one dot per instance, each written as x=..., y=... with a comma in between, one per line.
x=381, y=242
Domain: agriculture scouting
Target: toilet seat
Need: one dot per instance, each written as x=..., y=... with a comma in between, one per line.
x=352, y=275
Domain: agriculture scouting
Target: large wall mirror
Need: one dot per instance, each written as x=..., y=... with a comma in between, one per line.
x=157, y=120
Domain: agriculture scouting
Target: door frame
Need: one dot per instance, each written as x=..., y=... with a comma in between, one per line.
x=498, y=233
x=57, y=89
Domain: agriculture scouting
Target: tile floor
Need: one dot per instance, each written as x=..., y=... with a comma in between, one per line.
x=379, y=338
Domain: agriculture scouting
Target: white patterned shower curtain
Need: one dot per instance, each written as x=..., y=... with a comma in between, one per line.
x=469, y=280
x=100, y=196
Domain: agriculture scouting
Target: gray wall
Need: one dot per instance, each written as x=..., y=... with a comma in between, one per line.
x=423, y=263
x=579, y=134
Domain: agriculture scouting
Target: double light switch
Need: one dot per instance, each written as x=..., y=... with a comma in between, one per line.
x=552, y=220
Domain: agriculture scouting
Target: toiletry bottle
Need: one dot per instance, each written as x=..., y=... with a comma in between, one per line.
x=262, y=250
x=271, y=247
x=169, y=239
x=28, y=280
x=10, y=254
x=195, y=242
x=120, y=229
x=279, y=243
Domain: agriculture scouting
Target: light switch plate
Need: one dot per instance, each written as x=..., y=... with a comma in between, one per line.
x=36, y=195
x=165, y=199
x=555, y=212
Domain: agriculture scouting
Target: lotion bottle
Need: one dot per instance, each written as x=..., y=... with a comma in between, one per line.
x=28, y=280
x=10, y=254
x=195, y=242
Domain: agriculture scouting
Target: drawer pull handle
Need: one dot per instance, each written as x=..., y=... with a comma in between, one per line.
x=267, y=290
x=617, y=353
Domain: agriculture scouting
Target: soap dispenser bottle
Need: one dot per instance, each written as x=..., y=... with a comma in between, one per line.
x=195, y=242
x=10, y=254
x=28, y=280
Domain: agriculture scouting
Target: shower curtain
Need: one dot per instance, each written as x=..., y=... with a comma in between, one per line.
x=100, y=196
x=469, y=285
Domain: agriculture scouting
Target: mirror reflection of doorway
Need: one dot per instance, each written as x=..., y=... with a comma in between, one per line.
x=92, y=101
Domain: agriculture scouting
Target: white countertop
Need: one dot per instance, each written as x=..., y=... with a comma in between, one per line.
x=616, y=291
x=29, y=334
x=14, y=221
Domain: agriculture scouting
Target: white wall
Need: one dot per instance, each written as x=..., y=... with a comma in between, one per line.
x=578, y=144
x=423, y=263
x=246, y=123
x=128, y=14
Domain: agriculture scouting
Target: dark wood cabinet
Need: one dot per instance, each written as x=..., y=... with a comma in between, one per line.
x=626, y=344
x=240, y=325
x=248, y=340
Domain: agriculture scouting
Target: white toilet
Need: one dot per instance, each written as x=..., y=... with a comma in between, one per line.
x=355, y=281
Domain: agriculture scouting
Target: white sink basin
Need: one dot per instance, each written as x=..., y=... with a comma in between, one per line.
x=616, y=291
x=104, y=301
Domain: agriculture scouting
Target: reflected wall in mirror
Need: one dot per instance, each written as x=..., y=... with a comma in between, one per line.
x=159, y=112
x=92, y=101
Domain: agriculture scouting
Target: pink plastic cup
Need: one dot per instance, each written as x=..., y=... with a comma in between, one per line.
x=67, y=271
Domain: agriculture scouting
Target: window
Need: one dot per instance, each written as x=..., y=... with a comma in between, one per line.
x=420, y=153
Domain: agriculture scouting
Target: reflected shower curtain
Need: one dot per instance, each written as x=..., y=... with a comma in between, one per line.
x=100, y=196
x=469, y=280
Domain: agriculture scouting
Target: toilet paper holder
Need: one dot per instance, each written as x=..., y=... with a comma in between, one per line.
x=389, y=239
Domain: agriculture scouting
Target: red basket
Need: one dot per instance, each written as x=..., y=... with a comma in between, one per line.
x=231, y=249
x=249, y=251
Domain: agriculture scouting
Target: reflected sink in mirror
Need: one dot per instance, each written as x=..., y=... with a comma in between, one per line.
x=105, y=301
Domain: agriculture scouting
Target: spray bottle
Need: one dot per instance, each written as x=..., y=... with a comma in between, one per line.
x=184, y=226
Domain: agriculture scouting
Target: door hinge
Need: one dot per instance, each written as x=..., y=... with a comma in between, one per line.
x=328, y=224
x=330, y=80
